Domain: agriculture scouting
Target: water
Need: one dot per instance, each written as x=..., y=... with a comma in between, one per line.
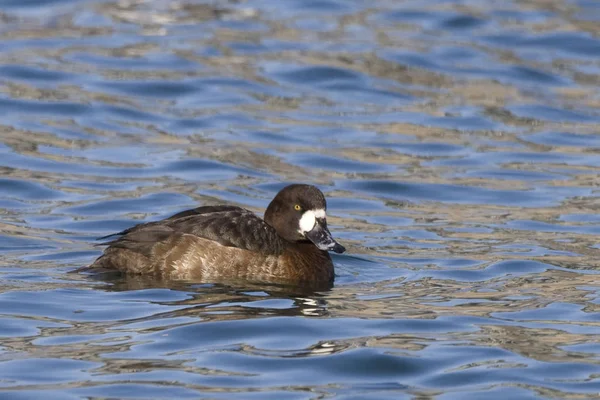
x=457, y=143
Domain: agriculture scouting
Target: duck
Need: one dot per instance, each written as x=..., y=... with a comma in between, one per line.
x=290, y=245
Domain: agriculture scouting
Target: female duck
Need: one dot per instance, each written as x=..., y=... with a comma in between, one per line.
x=217, y=243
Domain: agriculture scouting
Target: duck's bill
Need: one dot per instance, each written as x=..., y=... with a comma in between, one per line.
x=322, y=238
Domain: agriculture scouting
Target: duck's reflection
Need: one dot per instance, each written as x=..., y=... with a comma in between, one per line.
x=228, y=300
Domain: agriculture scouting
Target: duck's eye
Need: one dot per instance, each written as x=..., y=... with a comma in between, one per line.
x=297, y=207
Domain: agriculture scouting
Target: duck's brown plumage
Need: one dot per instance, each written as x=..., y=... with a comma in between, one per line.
x=217, y=243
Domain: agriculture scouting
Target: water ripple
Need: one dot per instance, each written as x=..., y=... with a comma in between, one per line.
x=457, y=145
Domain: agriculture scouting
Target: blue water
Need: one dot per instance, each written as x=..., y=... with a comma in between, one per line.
x=458, y=145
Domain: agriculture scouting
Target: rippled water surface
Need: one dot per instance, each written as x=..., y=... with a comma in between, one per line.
x=458, y=143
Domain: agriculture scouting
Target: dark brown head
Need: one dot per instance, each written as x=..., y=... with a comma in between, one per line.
x=298, y=214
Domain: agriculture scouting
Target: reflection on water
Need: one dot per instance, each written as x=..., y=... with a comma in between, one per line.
x=457, y=143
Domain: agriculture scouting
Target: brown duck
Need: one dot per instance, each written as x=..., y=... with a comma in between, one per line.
x=223, y=243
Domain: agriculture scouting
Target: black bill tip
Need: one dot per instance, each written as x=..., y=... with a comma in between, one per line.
x=338, y=248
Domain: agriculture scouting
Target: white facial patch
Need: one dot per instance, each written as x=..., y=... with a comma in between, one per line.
x=309, y=219
x=320, y=213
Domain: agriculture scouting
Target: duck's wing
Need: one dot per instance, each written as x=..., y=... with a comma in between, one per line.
x=187, y=213
x=227, y=225
x=233, y=228
x=207, y=210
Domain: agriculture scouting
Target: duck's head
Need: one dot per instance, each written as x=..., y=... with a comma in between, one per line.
x=299, y=213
